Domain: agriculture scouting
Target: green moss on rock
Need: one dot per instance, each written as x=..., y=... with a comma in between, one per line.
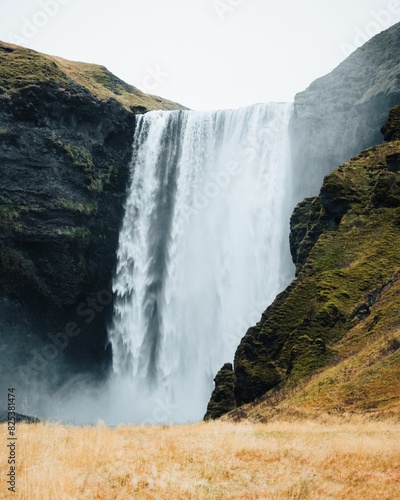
x=345, y=244
x=223, y=398
x=79, y=156
x=391, y=129
x=74, y=232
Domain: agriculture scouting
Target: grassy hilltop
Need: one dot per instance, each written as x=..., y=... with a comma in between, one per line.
x=20, y=67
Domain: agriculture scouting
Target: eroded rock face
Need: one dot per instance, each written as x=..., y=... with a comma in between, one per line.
x=223, y=397
x=391, y=128
x=64, y=168
x=65, y=151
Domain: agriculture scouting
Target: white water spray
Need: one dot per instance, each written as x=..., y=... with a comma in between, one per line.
x=202, y=251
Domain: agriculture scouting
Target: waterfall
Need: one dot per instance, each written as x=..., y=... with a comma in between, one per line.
x=203, y=250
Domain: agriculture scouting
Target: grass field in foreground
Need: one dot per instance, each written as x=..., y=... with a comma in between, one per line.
x=216, y=460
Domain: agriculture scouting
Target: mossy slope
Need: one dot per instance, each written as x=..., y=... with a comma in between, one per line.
x=222, y=399
x=343, y=308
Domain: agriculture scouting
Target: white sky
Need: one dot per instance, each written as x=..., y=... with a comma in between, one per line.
x=205, y=54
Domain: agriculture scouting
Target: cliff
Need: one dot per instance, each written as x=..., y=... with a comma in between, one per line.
x=66, y=134
x=341, y=113
x=331, y=340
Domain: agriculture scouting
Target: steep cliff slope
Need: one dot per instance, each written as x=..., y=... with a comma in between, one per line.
x=340, y=114
x=343, y=309
x=66, y=134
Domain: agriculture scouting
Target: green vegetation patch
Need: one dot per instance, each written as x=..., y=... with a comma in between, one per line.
x=74, y=232
x=102, y=179
x=20, y=67
x=8, y=219
x=346, y=243
x=23, y=68
x=79, y=156
x=223, y=398
x=76, y=206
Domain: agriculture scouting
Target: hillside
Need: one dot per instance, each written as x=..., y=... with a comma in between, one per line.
x=22, y=68
x=340, y=317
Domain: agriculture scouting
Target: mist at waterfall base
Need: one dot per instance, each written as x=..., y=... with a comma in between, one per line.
x=203, y=250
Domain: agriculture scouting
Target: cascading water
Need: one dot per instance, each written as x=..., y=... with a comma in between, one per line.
x=202, y=251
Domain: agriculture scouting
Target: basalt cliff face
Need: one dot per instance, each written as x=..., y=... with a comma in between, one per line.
x=66, y=134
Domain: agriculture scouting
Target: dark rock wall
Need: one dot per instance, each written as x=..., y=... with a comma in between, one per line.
x=64, y=168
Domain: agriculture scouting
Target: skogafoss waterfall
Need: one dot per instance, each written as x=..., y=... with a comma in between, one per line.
x=202, y=251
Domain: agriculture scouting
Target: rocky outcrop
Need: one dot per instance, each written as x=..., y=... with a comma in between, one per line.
x=391, y=129
x=223, y=397
x=341, y=114
x=66, y=134
x=345, y=244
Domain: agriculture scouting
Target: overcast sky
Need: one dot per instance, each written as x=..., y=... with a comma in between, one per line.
x=206, y=54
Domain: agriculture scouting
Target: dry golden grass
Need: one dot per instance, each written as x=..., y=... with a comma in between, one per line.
x=216, y=460
x=99, y=81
